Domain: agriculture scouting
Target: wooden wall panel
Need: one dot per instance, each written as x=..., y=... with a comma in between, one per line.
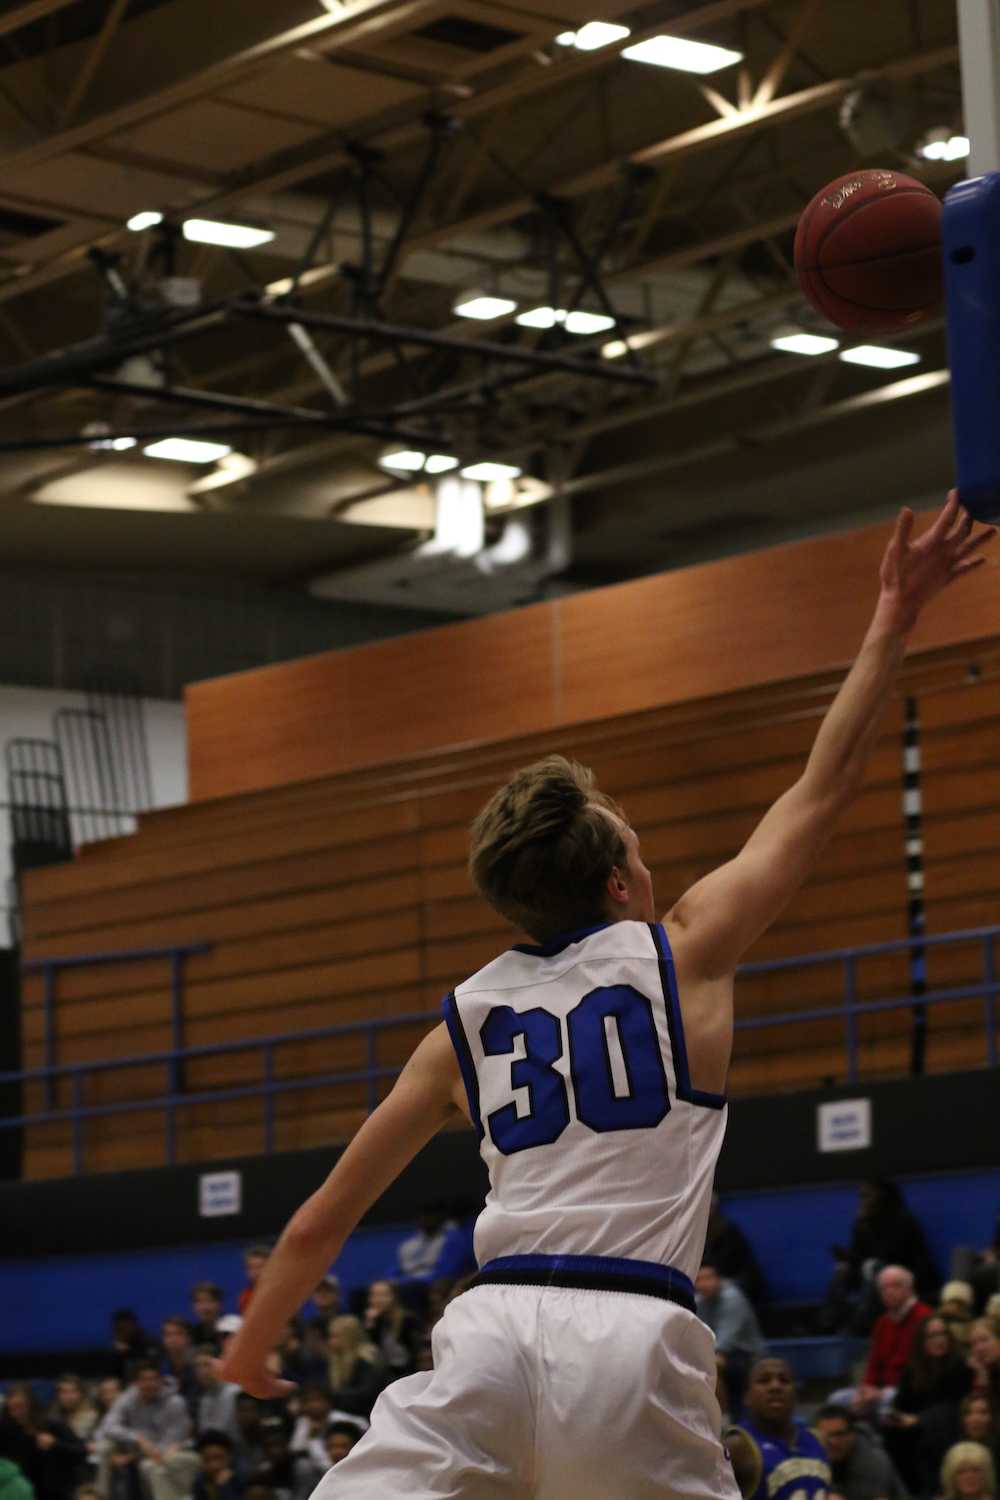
x=347, y=899
x=785, y=613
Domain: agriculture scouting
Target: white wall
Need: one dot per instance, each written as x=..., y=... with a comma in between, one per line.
x=28, y=712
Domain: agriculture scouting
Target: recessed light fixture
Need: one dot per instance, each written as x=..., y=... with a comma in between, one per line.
x=486, y=471
x=148, y=219
x=541, y=317
x=879, y=358
x=941, y=145
x=482, y=305
x=587, y=322
x=679, y=52
x=188, y=450
x=593, y=35
x=415, y=461
x=230, y=236
x=804, y=343
x=112, y=445
x=574, y=322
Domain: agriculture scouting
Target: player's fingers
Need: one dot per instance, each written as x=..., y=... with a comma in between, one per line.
x=966, y=567
x=945, y=518
x=973, y=542
x=962, y=527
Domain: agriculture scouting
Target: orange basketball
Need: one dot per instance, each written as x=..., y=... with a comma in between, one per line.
x=868, y=251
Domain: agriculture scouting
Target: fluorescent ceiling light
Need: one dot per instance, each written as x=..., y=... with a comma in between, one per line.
x=112, y=445
x=573, y=322
x=678, y=52
x=878, y=358
x=541, y=317
x=148, y=219
x=232, y=467
x=595, y=34
x=415, y=461
x=486, y=471
x=951, y=148
x=588, y=322
x=188, y=450
x=804, y=343
x=409, y=460
x=483, y=305
x=615, y=349
x=232, y=236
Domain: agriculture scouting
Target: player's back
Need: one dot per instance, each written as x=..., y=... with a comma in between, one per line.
x=575, y=1064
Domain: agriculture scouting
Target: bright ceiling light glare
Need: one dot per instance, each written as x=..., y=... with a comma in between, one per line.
x=148, y=219
x=598, y=34
x=566, y=39
x=804, y=343
x=678, y=52
x=112, y=445
x=486, y=472
x=415, y=461
x=406, y=460
x=188, y=450
x=588, y=322
x=483, y=305
x=615, y=349
x=541, y=317
x=230, y=236
x=878, y=358
x=940, y=145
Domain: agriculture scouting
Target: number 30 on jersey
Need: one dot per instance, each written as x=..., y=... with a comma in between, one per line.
x=617, y=1016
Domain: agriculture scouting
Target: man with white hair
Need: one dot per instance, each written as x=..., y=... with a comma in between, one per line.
x=892, y=1341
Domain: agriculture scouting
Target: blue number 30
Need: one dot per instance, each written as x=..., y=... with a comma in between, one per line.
x=598, y=1104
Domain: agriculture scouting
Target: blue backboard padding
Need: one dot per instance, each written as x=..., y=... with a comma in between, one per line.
x=971, y=235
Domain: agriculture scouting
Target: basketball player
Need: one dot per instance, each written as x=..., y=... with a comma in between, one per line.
x=793, y=1461
x=592, y=1064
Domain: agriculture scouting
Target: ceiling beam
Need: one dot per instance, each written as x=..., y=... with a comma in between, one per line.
x=674, y=458
x=85, y=77
x=23, y=15
x=326, y=31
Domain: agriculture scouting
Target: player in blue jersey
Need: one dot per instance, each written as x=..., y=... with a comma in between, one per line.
x=794, y=1465
x=592, y=1064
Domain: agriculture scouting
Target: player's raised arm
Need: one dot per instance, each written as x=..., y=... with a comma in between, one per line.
x=423, y=1099
x=723, y=914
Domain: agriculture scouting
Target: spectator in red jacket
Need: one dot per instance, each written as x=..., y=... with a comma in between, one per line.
x=891, y=1344
x=894, y=1332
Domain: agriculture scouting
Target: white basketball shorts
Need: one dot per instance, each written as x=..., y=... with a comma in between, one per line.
x=549, y=1393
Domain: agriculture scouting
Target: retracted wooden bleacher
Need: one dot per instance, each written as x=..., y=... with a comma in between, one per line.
x=344, y=898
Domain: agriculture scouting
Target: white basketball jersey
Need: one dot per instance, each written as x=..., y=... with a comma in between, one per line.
x=575, y=1066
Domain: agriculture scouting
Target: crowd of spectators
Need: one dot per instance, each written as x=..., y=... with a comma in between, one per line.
x=161, y=1425
x=921, y=1420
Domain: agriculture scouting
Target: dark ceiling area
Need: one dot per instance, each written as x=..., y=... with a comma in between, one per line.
x=401, y=155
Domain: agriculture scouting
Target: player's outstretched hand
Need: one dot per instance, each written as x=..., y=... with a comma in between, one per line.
x=255, y=1380
x=913, y=572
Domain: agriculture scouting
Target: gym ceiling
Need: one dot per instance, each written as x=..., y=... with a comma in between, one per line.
x=402, y=154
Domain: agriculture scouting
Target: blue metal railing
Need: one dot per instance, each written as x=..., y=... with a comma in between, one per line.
x=270, y=1086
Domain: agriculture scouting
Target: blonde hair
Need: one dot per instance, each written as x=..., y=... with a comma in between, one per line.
x=542, y=848
x=960, y=1456
x=992, y=1310
x=358, y=1347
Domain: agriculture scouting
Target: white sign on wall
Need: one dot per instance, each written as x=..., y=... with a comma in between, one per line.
x=844, y=1126
x=220, y=1193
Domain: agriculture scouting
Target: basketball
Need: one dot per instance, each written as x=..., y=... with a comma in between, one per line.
x=868, y=252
